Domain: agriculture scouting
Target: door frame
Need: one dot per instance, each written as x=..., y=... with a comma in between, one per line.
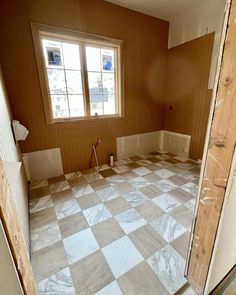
x=217, y=158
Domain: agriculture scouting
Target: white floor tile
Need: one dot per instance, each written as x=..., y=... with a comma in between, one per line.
x=141, y=171
x=59, y=283
x=96, y=214
x=130, y=220
x=80, y=245
x=67, y=208
x=135, y=198
x=166, y=202
x=121, y=256
x=164, y=173
x=168, y=227
x=165, y=185
x=169, y=266
x=45, y=235
x=111, y=289
x=107, y=194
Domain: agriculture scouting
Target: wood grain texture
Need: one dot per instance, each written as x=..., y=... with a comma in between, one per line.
x=15, y=237
x=187, y=93
x=219, y=155
x=145, y=50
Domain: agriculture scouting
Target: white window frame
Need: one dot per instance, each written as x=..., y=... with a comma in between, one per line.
x=41, y=31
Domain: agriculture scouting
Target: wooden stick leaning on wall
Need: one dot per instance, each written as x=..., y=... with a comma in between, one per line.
x=15, y=237
x=218, y=163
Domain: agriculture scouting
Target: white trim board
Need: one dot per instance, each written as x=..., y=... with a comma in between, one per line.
x=164, y=141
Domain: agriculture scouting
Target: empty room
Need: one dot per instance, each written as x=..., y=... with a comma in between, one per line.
x=117, y=157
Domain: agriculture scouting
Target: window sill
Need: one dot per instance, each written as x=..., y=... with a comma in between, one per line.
x=89, y=118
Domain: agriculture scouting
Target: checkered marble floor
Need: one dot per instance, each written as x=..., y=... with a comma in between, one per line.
x=122, y=230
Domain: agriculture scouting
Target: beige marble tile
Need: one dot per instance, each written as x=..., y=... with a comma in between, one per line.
x=42, y=217
x=59, y=187
x=141, y=280
x=91, y=274
x=49, y=260
x=88, y=201
x=107, y=173
x=132, y=165
x=72, y=224
x=152, y=177
x=56, y=179
x=151, y=191
x=117, y=205
x=181, y=244
x=100, y=184
x=147, y=240
x=149, y=211
x=180, y=195
x=39, y=192
x=153, y=160
x=128, y=175
x=123, y=188
x=107, y=231
x=62, y=197
x=76, y=181
x=177, y=180
x=183, y=215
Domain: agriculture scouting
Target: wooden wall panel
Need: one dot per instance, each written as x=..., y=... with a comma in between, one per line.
x=187, y=93
x=145, y=50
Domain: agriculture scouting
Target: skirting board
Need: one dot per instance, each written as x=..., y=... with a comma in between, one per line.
x=164, y=141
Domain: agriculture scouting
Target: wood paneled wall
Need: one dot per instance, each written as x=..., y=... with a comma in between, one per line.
x=145, y=52
x=187, y=98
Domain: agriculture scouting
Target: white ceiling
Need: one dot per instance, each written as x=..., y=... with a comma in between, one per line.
x=164, y=9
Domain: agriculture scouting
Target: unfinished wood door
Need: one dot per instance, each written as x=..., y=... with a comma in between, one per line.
x=218, y=156
x=13, y=230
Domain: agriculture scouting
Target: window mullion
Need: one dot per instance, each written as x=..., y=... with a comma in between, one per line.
x=85, y=80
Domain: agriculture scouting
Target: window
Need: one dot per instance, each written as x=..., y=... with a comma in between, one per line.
x=80, y=74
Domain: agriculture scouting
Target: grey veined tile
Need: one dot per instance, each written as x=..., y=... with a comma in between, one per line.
x=165, y=185
x=39, y=204
x=168, y=227
x=59, y=187
x=45, y=235
x=169, y=266
x=67, y=208
x=166, y=202
x=81, y=190
x=96, y=214
x=107, y=194
x=130, y=220
x=138, y=182
x=191, y=188
x=59, y=283
x=135, y=198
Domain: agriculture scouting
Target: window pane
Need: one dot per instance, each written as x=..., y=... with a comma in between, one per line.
x=71, y=56
x=108, y=82
x=52, y=53
x=107, y=60
x=60, y=106
x=96, y=108
x=73, y=81
x=109, y=105
x=76, y=103
x=56, y=80
x=93, y=59
x=95, y=82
